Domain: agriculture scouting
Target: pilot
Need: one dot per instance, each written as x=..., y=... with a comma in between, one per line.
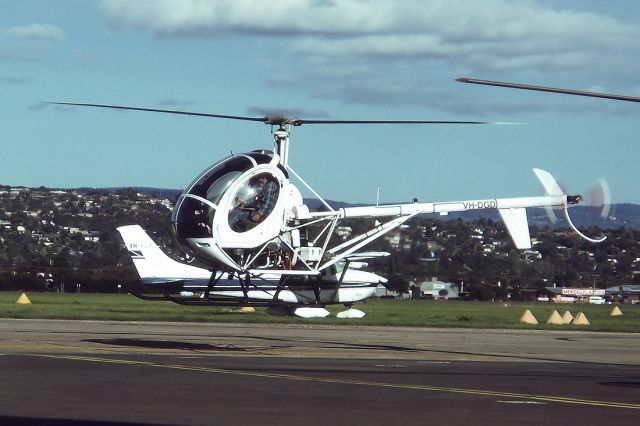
x=246, y=215
x=266, y=198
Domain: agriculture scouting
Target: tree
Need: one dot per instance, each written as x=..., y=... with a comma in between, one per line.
x=398, y=283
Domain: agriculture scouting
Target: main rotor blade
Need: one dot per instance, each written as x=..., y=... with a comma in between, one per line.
x=549, y=89
x=274, y=120
x=300, y=122
x=167, y=111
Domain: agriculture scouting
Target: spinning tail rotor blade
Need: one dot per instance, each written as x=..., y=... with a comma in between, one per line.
x=599, y=198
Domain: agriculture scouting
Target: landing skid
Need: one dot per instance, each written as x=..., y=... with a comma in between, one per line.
x=306, y=312
x=351, y=313
x=273, y=307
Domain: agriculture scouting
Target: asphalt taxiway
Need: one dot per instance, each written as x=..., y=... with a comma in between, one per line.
x=58, y=372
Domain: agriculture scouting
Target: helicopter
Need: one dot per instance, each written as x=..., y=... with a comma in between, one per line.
x=246, y=221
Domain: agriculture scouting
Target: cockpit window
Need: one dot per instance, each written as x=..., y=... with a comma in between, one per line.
x=218, y=188
x=254, y=202
x=192, y=218
x=202, y=185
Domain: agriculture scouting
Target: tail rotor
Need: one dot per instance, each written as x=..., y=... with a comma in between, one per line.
x=599, y=198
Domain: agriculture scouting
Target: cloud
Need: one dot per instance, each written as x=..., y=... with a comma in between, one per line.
x=35, y=32
x=14, y=79
x=380, y=26
x=276, y=18
x=28, y=42
x=383, y=42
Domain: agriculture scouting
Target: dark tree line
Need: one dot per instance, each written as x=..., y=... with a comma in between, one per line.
x=39, y=249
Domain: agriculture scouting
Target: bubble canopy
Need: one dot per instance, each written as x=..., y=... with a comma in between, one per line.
x=197, y=206
x=253, y=202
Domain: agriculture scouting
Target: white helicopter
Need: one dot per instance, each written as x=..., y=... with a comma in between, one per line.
x=246, y=221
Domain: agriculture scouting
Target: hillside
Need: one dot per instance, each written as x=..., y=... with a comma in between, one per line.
x=56, y=238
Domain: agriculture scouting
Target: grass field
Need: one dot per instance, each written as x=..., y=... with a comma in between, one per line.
x=409, y=313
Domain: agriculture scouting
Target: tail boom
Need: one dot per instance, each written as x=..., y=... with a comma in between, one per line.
x=512, y=210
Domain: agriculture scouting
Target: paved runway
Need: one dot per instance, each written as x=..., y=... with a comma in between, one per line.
x=170, y=373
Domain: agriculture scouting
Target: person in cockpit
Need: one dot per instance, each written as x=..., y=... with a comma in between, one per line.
x=247, y=213
x=265, y=200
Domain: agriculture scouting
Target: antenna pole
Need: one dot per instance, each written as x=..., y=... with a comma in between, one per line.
x=281, y=143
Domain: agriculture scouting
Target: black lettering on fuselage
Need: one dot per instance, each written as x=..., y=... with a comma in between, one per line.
x=480, y=204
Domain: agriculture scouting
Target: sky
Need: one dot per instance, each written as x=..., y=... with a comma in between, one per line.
x=339, y=59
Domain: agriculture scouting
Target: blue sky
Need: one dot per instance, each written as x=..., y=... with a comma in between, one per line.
x=349, y=59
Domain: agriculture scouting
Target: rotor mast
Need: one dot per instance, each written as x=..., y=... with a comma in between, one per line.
x=281, y=143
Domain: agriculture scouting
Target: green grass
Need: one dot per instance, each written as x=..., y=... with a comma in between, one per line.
x=418, y=313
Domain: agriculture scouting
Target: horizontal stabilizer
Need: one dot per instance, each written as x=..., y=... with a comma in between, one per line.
x=518, y=226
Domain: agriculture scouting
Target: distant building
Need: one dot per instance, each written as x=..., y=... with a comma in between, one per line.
x=382, y=291
x=435, y=289
x=629, y=293
x=572, y=294
x=626, y=292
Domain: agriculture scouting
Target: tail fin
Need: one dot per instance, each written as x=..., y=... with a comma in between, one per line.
x=551, y=187
x=518, y=226
x=151, y=262
x=516, y=218
x=549, y=183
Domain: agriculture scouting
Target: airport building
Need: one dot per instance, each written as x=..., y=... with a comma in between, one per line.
x=625, y=293
x=629, y=293
x=435, y=289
